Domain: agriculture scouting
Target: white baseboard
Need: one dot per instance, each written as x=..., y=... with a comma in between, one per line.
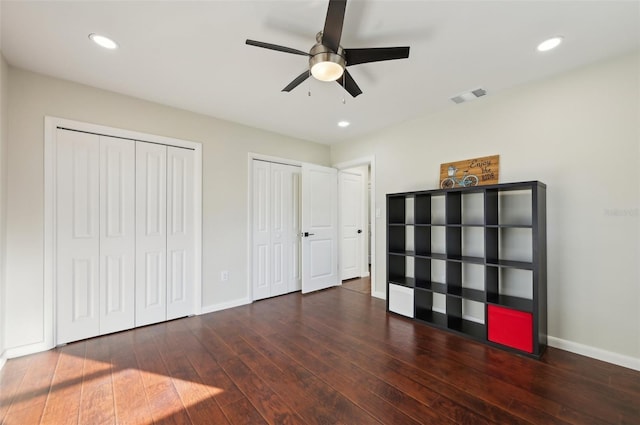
x=225, y=305
x=3, y=360
x=595, y=353
x=25, y=350
x=382, y=295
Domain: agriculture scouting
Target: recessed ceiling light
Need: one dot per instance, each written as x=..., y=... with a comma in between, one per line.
x=344, y=124
x=103, y=41
x=550, y=44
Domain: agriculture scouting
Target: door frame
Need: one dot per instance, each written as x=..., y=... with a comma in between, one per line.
x=371, y=162
x=51, y=124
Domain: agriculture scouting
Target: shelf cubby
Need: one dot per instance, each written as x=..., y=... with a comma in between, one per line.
x=396, y=239
x=396, y=210
x=422, y=206
x=438, y=216
x=475, y=261
x=473, y=209
x=453, y=207
x=422, y=240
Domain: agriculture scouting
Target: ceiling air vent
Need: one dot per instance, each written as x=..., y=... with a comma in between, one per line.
x=469, y=95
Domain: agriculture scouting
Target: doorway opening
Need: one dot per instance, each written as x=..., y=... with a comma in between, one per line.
x=357, y=225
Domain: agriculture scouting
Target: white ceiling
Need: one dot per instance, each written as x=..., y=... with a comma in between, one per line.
x=192, y=55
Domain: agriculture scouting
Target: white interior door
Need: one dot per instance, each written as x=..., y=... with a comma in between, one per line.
x=275, y=229
x=319, y=227
x=180, y=236
x=77, y=231
x=351, y=225
x=261, y=229
x=117, y=234
x=285, y=237
x=281, y=198
x=151, y=233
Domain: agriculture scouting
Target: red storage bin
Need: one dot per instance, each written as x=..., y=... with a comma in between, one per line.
x=511, y=328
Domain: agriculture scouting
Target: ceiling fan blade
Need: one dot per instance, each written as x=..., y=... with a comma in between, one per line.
x=276, y=47
x=375, y=54
x=349, y=84
x=333, y=24
x=299, y=79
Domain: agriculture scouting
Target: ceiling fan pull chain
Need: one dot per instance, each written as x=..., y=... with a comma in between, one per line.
x=309, y=84
x=344, y=101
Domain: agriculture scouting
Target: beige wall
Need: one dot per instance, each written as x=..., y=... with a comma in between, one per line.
x=4, y=72
x=579, y=133
x=225, y=161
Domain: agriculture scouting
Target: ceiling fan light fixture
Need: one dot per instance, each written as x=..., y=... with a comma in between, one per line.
x=327, y=66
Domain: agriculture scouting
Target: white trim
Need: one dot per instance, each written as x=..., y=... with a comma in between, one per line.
x=276, y=159
x=50, y=126
x=3, y=360
x=365, y=160
x=24, y=350
x=249, y=283
x=49, y=306
x=225, y=305
x=595, y=353
x=120, y=132
x=378, y=294
x=371, y=161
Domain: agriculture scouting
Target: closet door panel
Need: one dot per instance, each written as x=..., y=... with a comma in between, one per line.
x=117, y=234
x=280, y=218
x=180, y=236
x=77, y=235
x=151, y=233
x=275, y=229
x=293, y=235
x=261, y=229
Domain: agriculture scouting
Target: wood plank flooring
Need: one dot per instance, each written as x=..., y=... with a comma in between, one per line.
x=362, y=285
x=333, y=357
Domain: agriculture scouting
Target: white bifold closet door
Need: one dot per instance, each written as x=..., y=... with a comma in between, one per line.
x=151, y=233
x=275, y=229
x=180, y=233
x=117, y=234
x=124, y=234
x=95, y=235
x=164, y=233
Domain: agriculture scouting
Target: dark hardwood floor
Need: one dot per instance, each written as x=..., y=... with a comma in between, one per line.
x=324, y=358
x=362, y=285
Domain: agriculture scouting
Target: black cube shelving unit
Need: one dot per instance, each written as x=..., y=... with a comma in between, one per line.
x=472, y=261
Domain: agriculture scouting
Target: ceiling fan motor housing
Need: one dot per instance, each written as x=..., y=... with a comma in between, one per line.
x=325, y=64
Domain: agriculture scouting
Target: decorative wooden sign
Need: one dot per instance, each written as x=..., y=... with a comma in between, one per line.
x=470, y=172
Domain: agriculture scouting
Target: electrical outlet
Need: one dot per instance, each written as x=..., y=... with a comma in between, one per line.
x=224, y=276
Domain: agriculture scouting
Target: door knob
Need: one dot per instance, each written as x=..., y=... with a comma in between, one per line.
x=307, y=234
x=359, y=230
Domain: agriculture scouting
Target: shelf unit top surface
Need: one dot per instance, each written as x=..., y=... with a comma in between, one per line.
x=502, y=187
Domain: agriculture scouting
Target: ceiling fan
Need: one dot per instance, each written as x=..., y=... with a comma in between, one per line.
x=328, y=60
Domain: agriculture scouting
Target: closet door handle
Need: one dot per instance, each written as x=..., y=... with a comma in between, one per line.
x=307, y=234
x=359, y=230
